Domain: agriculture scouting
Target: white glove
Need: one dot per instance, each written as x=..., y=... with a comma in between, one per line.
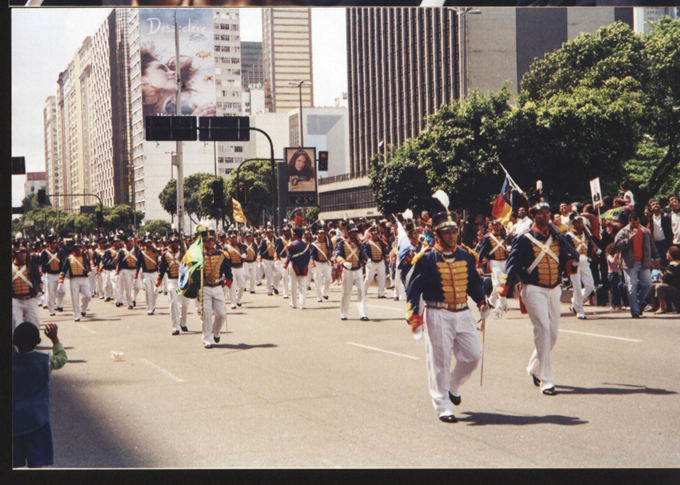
x=484, y=314
x=501, y=308
x=243, y=256
x=60, y=288
x=347, y=265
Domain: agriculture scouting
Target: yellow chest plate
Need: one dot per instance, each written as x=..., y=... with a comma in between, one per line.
x=548, y=268
x=212, y=268
x=454, y=280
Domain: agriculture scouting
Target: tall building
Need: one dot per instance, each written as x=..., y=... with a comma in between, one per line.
x=252, y=67
x=35, y=181
x=287, y=56
x=52, y=166
x=643, y=16
x=403, y=64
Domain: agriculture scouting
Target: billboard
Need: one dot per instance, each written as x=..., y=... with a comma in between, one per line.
x=301, y=166
x=158, y=61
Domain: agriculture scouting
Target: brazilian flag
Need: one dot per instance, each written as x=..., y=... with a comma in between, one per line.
x=190, y=270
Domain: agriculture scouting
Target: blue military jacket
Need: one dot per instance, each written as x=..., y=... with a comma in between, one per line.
x=299, y=255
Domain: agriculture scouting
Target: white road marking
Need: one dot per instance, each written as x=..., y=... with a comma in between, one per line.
x=602, y=336
x=85, y=327
x=162, y=371
x=382, y=350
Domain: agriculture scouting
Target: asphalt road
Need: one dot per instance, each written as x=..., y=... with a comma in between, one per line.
x=292, y=388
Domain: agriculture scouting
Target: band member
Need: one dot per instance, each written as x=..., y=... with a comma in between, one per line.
x=107, y=268
x=297, y=264
x=88, y=250
x=50, y=262
x=581, y=281
x=377, y=254
x=267, y=255
x=282, y=244
x=321, y=252
x=405, y=252
x=169, y=267
x=443, y=276
x=76, y=266
x=126, y=269
x=493, y=248
x=250, y=261
x=147, y=262
x=235, y=253
x=97, y=256
x=216, y=274
x=26, y=286
x=350, y=254
x=538, y=257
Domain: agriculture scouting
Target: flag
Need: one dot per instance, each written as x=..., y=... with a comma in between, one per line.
x=190, y=267
x=502, y=206
x=238, y=216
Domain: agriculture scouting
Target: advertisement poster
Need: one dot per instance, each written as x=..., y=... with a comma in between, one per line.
x=158, y=61
x=301, y=163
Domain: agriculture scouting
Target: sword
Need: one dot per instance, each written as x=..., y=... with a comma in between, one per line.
x=483, y=329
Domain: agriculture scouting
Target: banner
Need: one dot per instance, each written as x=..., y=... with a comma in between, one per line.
x=197, y=61
x=596, y=192
x=238, y=214
x=502, y=207
x=190, y=270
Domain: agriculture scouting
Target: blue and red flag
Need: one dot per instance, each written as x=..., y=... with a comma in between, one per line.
x=502, y=207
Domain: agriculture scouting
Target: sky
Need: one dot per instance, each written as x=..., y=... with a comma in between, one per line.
x=45, y=40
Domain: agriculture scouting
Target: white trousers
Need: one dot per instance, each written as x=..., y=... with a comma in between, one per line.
x=298, y=287
x=251, y=275
x=497, y=271
x=43, y=296
x=99, y=283
x=582, y=285
x=399, y=290
x=125, y=284
x=149, y=281
x=238, y=285
x=55, y=298
x=272, y=274
x=25, y=311
x=543, y=307
x=111, y=285
x=349, y=279
x=213, y=305
x=79, y=287
x=449, y=332
x=372, y=269
x=322, y=278
x=285, y=276
x=92, y=277
x=178, y=305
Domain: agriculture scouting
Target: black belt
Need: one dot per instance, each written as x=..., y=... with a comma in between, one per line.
x=149, y=270
x=23, y=297
x=238, y=265
x=213, y=286
x=78, y=276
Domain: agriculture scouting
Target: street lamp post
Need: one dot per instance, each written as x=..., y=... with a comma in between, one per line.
x=299, y=85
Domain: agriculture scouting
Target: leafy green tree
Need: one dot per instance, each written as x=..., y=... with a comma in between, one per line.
x=192, y=196
x=256, y=197
x=156, y=226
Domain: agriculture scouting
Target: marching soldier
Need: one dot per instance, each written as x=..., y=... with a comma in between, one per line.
x=50, y=262
x=96, y=263
x=321, y=252
x=297, y=264
x=282, y=244
x=107, y=268
x=126, y=269
x=267, y=255
x=538, y=257
x=443, y=276
x=89, y=250
x=250, y=261
x=147, y=262
x=76, y=266
x=350, y=254
x=169, y=267
x=581, y=281
x=377, y=254
x=493, y=248
x=26, y=286
x=216, y=274
x=235, y=253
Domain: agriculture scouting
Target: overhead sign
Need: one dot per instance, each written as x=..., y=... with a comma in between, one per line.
x=170, y=128
x=301, y=174
x=224, y=128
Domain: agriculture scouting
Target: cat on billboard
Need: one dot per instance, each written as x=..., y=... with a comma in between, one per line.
x=301, y=169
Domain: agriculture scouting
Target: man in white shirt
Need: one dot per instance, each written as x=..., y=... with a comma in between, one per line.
x=675, y=218
x=659, y=226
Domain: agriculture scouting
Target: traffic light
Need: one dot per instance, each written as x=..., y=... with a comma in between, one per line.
x=323, y=161
x=42, y=196
x=218, y=192
x=100, y=219
x=18, y=165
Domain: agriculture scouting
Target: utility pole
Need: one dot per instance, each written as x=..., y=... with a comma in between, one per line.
x=178, y=150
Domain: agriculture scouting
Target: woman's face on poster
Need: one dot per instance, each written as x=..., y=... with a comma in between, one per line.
x=300, y=162
x=158, y=75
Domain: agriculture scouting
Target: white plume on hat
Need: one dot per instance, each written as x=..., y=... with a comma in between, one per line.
x=441, y=196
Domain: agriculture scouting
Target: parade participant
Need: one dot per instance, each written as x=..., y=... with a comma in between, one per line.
x=107, y=268
x=161, y=245
x=50, y=262
x=88, y=250
x=413, y=245
x=282, y=244
x=76, y=266
x=147, y=262
x=443, y=276
x=126, y=268
x=216, y=274
x=136, y=281
x=169, y=268
x=297, y=264
x=97, y=256
x=638, y=254
x=377, y=254
x=250, y=261
x=538, y=257
x=321, y=253
x=493, y=248
x=26, y=286
x=267, y=255
x=581, y=281
x=351, y=256
x=235, y=253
